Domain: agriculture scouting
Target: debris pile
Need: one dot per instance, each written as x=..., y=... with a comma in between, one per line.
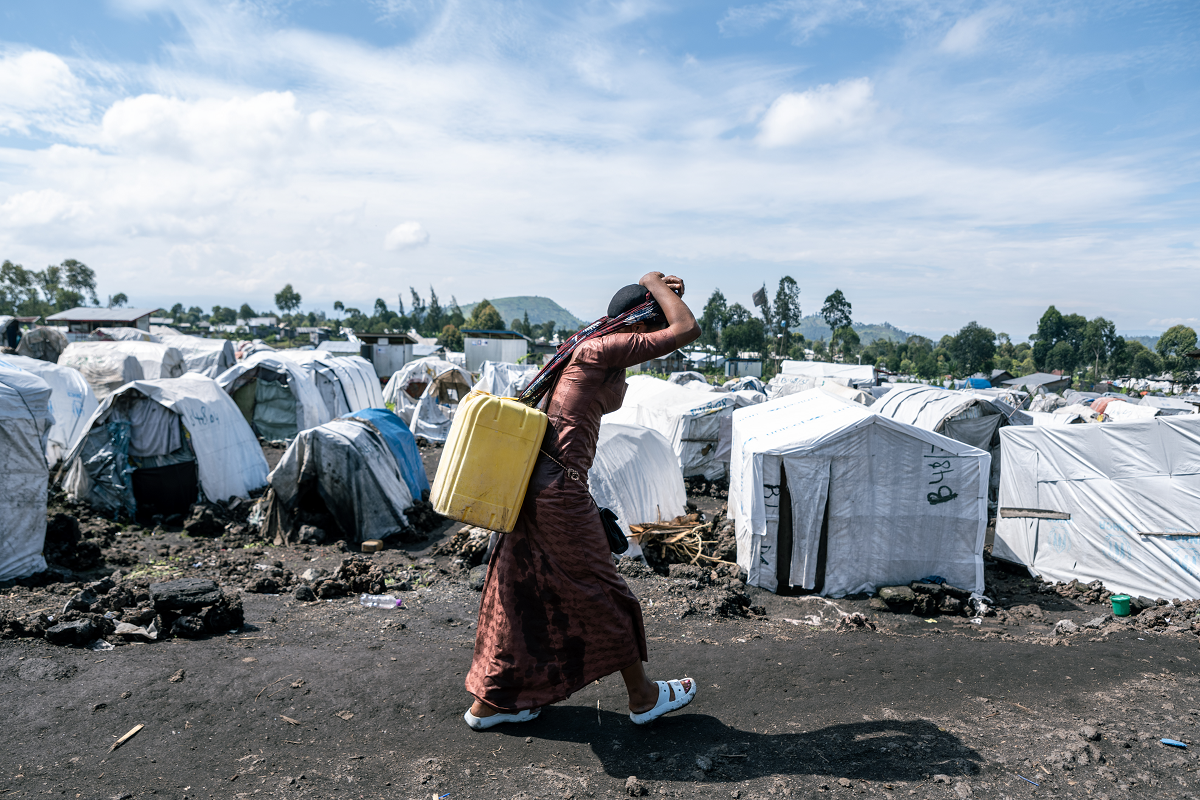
x=926, y=598
x=689, y=539
x=689, y=589
x=467, y=548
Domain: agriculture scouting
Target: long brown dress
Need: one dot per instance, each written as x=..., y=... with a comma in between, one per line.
x=555, y=615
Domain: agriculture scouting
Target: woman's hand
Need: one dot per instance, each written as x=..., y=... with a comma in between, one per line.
x=673, y=283
x=668, y=291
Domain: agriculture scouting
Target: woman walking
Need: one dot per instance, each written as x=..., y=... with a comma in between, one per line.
x=555, y=615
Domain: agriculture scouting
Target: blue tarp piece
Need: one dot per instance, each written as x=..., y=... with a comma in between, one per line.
x=402, y=444
x=978, y=383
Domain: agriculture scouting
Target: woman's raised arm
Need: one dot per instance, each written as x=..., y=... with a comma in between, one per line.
x=668, y=291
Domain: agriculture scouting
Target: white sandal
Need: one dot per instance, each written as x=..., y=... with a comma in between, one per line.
x=483, y=723
x=665, y=704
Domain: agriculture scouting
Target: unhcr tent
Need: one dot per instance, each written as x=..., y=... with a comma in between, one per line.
x=72, y=402
x=345, y=383
x=503, y=379
x=1116, y=503
x=43, y=343
x=688, y=418
x=155, y=447
x=276, y=396
x=345, y=472
x=156, y=360
x=637, y=475
x=831, y=497
x=425, y=393
x=25, y=422
x=209, y=357
x=853, y=374
x=403, y=445
x=105, y=367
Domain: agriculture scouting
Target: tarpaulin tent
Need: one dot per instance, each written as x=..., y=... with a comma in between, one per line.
x=208, y=357
x=156, y=360
x=123, y=334
x=105, y=367
x=831, y=497
x=345, y=383
x=747, y=383
x=504, y=379
x=155, y=447
x=688, y=418
x=344, y=469
x=637, y=475
x=1117, y=410
x=403, y=446
x=25, y=422
x=43, y=343
x=686, y=377
x=1169, y=406
x=1116, y=503
x=276, y=396
x=784, y=384
x=72, y=402
x=425, y=394
x=854, y=374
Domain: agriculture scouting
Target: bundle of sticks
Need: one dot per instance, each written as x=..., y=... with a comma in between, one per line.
x=681, y=540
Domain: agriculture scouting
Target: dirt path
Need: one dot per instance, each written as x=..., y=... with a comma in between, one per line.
x=377, y=699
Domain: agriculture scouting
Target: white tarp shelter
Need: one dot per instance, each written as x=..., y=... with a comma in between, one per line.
x=25, y=422
x=277, y=396
x=1168, y=406
x=637, y=475
x=425, y=394
x=504, y=379
x=72, y=402
x=123, y=334
x=1115, y=410
x=152, y=443
x=208, y=357
x=347, y=465
x=1132, y=492
x=346, y=383
x=888, y=503
x=853, y=373
x=688, y=418
x=103, y=365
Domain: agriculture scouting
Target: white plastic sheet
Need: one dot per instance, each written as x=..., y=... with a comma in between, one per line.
x=229, y=460
x=103, y=365
x=208, y=357
x=1117, y=482
x=899, y=502
x=72, y=402
x=310, y=407
x=25, y=422
x=441, y=385
x=854, y=373
x=689, y=419
x=347, y=384
x=504, y=379
x=637, y=475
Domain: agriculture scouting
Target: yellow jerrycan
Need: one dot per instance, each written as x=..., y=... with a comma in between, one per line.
x=487, y=461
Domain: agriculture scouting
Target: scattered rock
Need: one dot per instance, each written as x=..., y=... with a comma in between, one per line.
x=312, y=574
x=940, y=778
x=844, y=782
x=176, y=678
x=1065, y=626
x=634, y=787
x=1089, y=733
x=76, y=633
x=203, y=522
x=477, y=577
x=704, y=763
x=304, y=594
x=962, y=791
x=185, y=595
x=898, y=598
x=310, y=534
x=263, y=586
x=189, y=627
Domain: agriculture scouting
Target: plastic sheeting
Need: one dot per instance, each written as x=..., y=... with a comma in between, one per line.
x=438, y=387
x=348, y=463
x=1115, y=410
x=504, y=379
x=1118, y=483
x=229, y=460
x=403, y=446
x=72, y=402
x=104, y=366
x=893, y=502
x=689, y=419
x=43, y=343
x=123, y=334
x=346, y=384
x=157, y=360
x=280, y=418
x=853, y=373
x=637, y=475
x=208, y=357
x=25, y=423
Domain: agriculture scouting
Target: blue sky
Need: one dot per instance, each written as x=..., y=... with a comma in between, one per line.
x=939, y=162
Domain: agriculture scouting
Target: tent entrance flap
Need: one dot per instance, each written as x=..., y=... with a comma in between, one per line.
x=798, y=561
x=274, y=407
x=165, y=490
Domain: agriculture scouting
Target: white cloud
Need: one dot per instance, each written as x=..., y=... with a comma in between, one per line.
x=42, y=207
x=966, y=35
x=34, y=85
x=406, y=236
x=799, y=116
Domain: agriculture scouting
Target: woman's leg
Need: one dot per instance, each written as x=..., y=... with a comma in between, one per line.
x=481, y=709
x=643, y=692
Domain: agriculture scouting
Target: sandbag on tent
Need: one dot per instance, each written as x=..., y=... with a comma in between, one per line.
x=25, y=422
x=637, y=475
x=208, y=357
x=688, y=418
x=72, y=402
x=1131, y=493
x=155, y=447
x=105, y=367
x=43, y=343
x=504, y=379
x=344, y=472
x=403, y=445
x=425, y=394
x=831, y=497
x=276, y=396
x=123, y=334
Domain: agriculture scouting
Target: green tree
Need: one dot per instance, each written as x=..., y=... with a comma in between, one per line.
x=246, y=312
x=118, y=300
x=451, y=338
x=485, y=317
x=786, y=311
x=287, y=299
x=435, y=317
x=713, y=319
x=1173, y=347
x=742, y=333
x=222, y=316
x=456, y=317
x=973, y=348
x=848, y=342
x=418, y=309
x=837, y=313
x=381, y=308
x=1100, y=340
x=338, y=306
x=547, y=330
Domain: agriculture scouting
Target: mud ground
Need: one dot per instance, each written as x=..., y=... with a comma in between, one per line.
x=331, y=699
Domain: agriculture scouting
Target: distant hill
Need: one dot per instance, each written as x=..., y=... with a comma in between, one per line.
x=540, y=309
x=813, y=328
x=1150, y=341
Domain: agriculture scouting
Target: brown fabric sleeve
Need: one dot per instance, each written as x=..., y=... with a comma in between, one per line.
x=622, y=350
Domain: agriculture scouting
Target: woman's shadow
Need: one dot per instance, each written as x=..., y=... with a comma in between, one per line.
x=697, y=746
